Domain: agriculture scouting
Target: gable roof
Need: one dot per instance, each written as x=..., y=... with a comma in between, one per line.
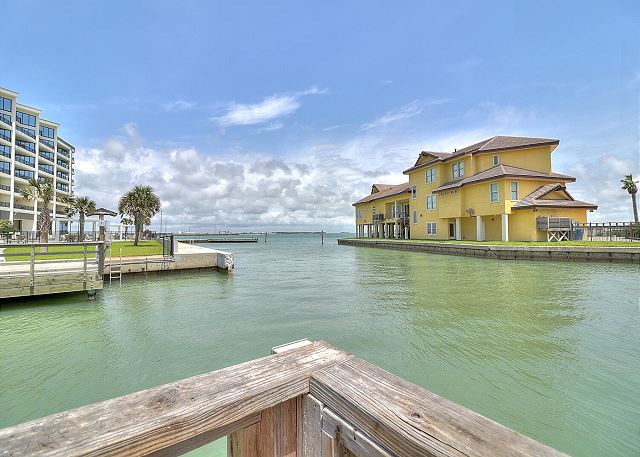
x=380, y=187
x=493, y=144
x=535, y=199
x=504, y=171
x=393, y=190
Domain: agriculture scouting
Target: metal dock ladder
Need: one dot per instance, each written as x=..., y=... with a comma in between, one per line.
x=117, y=274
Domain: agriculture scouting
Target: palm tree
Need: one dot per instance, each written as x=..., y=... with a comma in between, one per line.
x=127, y=221
x=80, y=206
x=41, y=191
x=141, y=203
x=630, y=186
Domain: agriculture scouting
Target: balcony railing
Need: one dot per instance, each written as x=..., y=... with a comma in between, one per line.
x=63, y=164
x=26, y=161
x=5, y=136
x=26, y=131
x=46, y=169
x=5, y=170
x=47, y=143
x=25, y=207
x=5, y=204
x=5, y=153
x=6, y=119
x=29, y=147
x=46, y=155
x=23, y=174
x=63, y=152
x=4, y=187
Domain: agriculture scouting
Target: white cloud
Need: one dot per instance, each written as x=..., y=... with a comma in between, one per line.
x=178, y=105
x=407, y=111
x=273, y=107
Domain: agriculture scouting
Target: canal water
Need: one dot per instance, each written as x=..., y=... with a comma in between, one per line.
x=548, y=349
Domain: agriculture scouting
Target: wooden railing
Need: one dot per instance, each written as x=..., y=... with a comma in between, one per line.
x=308, y=399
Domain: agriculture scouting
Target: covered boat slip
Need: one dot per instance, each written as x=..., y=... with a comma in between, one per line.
x=307, y=399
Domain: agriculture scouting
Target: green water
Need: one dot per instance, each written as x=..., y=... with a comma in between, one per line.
x=549, y=349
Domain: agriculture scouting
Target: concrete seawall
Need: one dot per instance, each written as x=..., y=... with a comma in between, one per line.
x=488, y=251
x=186, y=257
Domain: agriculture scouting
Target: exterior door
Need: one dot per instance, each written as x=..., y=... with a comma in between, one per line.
x=452, y=231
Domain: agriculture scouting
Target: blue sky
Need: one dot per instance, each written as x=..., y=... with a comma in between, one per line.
x=285, y=112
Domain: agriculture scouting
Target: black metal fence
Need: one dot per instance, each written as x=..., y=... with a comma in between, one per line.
x=607, y=231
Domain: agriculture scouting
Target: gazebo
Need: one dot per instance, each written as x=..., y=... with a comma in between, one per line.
x=101, y=213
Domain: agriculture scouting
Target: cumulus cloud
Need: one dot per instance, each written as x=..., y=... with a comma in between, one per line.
x=311, y=190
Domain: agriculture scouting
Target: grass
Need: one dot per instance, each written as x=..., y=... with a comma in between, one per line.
x=144, y=248
x=521, y=243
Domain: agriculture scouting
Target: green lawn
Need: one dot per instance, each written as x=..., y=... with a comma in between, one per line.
x=521, y=243
x=144, y=248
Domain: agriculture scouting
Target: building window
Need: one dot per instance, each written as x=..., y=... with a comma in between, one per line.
x=5, y=104
x=494, y=197
x=24, y=174
x=432, y=228
x=26, y=119
x=5, y=150
x=431, y=175
x=61, y=163
x=61, y=186
x=61, y=174
x=5, y=134
x=26, y=160
x=431, y=202
x=457, y=169
x=5, y=118
x=415, y=216
x=496, y=160
x=359, y=213
x=514, y=190
x=47, y=132
x=413, y=192
x=63, y=151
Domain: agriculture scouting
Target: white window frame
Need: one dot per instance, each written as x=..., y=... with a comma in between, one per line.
x=430, y=202
x=430, y=175
x=457, y=169
x=432, y=228
x=414, y=192
x=415, y=216
x=496, y=160
x=497, y=193
x=517, y=190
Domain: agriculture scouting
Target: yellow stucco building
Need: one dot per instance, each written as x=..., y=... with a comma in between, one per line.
x=501, y=188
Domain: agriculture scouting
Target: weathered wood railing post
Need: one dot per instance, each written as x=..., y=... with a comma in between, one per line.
x=84, y=265
x=32, y=269
x=101, y=252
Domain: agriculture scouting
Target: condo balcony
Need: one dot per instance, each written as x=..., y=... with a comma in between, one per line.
x=5, y=188
x=5, y=120
x=25, y=133
x=47, y=145
x=5, y=135
x=26, y=146
x=23, y=207
x=26, y=161
x=49, y=156
x=5, y=204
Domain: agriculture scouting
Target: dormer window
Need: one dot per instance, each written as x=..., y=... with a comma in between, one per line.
x=457, y=169
x=496, y=160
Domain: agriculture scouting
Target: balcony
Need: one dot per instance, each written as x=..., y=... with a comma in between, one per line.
x=25, y=131
x=62, y=163
x=63, y=152
x=28, y=161
x=24, y=207
x=5, y=119
x=24, y=174
x=46, y=169
x=5, y=170
x=5, y=187
x=5, y=204
x=5, y=153
x=46, y=155
x=26, y=146
x=48, y=144
x=5, y=136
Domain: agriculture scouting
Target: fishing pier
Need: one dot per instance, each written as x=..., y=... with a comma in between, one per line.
x=305, y=400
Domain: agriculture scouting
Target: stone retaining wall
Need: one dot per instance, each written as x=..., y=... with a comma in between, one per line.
x=488, y=251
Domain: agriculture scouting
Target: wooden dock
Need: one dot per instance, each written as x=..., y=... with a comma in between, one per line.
x=39, y=276
x=306, y=400
x=219, y=240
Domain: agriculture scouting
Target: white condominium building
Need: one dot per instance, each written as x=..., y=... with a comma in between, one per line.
x=31, y=148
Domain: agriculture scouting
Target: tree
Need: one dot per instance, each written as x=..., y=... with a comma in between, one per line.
x=141, y=203
x=41, y=191
x=127, y=221
x=80, y=206
x=630, y=186
x=6, y=229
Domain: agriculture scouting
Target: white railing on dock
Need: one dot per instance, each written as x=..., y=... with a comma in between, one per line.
x=311, y=400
